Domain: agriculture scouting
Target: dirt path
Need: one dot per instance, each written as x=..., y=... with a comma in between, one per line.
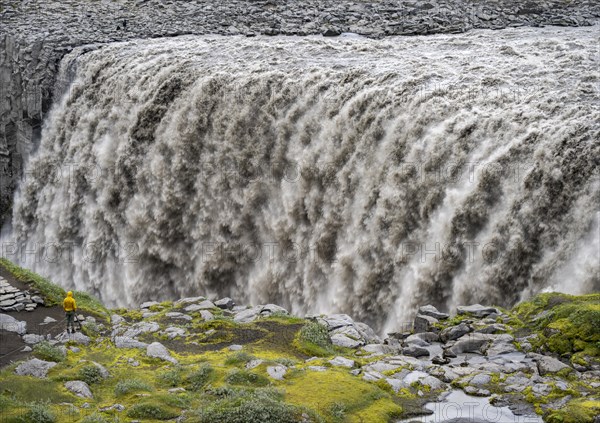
x=11, y=344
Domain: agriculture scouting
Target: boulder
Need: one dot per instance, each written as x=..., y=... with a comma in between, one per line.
x=367, y=333
x=204, y=305
x=34, y=367
x=415, y=351
x=424, y=323
x=225, y=303
x=79, y=388
x=379, y=349
x=477, y=310
x=206, y=315
x=342, y=362
x=431, y=311
x=414, y=340
x=473, y=343
x=269, y=309
x=336, y=321
x=381, y=366
x=254, y=363
x=77, y=338
x=158, y=350
x=493, y=328
x=128, y=342
x=548, y=365
x=454, y=332
x=247, y=316
x=10, y=324
x=342, y=340
x=276, y=372
x=31, y=338
x=179, y=316
x=148, y=304
x=235, y=347
x=141, y=327
x=480, y=379
x=502, y=344
x=188, y=300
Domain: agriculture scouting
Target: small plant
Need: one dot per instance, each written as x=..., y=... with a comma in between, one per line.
x=287, y=362
x=338, y=411
x=94, y=418
x=90, y=329
x=90, y=374
x=250, y=409
x=314, y=339
x=171, y=377
x=239, y=357
x=39, y=412
x=242, y=377
x=133, y=385
x=151, y=411
x=198, y=378
x=46, y=351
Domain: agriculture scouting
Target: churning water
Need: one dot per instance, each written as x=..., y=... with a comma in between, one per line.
x=347, y=174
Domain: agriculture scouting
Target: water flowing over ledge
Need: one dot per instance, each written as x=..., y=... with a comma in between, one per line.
x=325, y=175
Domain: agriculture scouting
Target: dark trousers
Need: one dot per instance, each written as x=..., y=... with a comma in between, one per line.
x=70, y=320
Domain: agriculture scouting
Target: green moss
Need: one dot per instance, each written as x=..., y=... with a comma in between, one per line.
x=151, y=411
x=576, y=411
x=313, y=340
x=125, y=387
x=243, y=377
x=48, y=352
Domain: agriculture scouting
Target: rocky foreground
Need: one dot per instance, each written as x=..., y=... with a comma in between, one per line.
x=199, y=360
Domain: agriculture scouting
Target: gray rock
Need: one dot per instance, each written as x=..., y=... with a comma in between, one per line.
x=477, y=343
x=179, y=316
x=127, y=342
x=188, y=300
x=34, y=367
x=424, y=323
x=49, y=319
x=381, y=366
x=502, y=344
x=247, y=316
x=431, y=311
x=77, y=338
x=414, y=340
x=31, y=338
x=372, y=376
x=548, y=365
x=235, y=347
x=269, y=309
x=115, y=319
x=203, y=305
x=480, y=379
x=37, y=299
x=141, y=327
x=254, y=363
x=341, y=362
x=10, y=324
x=493, y=328
x=317, y=368
x=367, y=333
x=454, y=332
x=176, y=390
x=415, y=351
x=336, y=321
x=276, y=372
x=79, y=388
x=206, y=315
x=471, y=390
x=342, y=340
x=158, y=350
x=149, y=304
x=27, y=349
x=476, y=310
x=225, y=303
x=379, y=349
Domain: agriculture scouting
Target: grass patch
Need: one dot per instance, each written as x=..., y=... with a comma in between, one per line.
x=48, y=352
x=313, y=340
x=240, y=357
x=151, y=411
x=200, y=377
x=133, y=385
x=243, y=377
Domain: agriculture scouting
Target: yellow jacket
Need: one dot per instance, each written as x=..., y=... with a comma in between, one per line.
x=69, y=303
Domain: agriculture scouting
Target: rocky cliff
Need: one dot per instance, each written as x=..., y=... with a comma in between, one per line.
x=35, y=35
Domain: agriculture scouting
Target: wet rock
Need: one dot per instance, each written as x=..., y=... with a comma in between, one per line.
x=431, y=311
x=455, y=332
x=225, y=303
x=548, y=365
x=440, y=360
x=424, y=323
x=415, y=351
x=149, y=304
x=471, y=390
x=34, y=367
x=79, y=388
x=477, y=310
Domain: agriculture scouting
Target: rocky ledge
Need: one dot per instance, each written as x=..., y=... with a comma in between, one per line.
x=198, y=359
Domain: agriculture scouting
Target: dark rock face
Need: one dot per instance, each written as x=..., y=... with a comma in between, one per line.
x=35, y=35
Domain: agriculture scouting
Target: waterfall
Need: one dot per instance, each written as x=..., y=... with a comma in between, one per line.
x=322, y=174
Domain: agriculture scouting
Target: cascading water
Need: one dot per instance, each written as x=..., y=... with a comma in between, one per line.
x=324, y=175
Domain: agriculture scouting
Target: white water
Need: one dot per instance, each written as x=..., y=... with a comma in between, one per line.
x=200, y=165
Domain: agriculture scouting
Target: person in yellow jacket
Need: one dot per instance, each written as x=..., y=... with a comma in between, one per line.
x=70, y=307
